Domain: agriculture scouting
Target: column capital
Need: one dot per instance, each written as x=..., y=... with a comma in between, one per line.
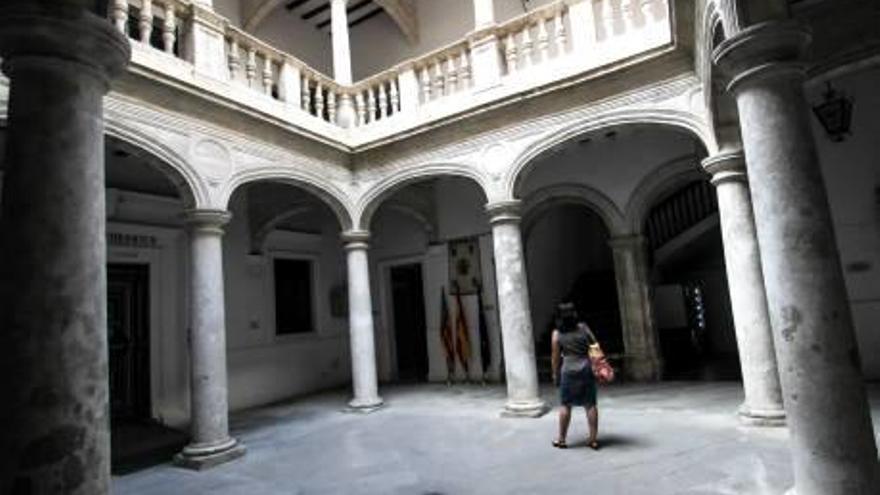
x=356, y=239
x=209, y=221
x=508, y=211
x=726, y=167
x=769, y=49
x=628, y=241
x=67, y=35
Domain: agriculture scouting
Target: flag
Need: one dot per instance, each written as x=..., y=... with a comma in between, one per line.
x=485, y=349
x=446, y=335
x=462, y=338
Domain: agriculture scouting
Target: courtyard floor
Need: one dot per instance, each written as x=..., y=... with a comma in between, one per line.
x=666, y=438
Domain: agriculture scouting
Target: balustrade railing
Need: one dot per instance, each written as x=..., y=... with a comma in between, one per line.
x=154, y=23
x=534, y=38
x=567, y=35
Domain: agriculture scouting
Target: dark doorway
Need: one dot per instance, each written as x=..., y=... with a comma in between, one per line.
x=409, y=322
x=128, y=327
x=137, y=440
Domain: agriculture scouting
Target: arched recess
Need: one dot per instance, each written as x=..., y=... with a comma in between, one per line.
x=333, y=197
x=688, y=122
x=544, y=199
x=663, y=181
x=193, y=191
x=395, y=181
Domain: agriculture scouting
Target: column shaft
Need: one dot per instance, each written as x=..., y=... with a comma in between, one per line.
x=341, y=46
x=484, y=13
x=832, y=439
x=523, y=394
x=640, y=341
x=210, y=443
x=763, y=394
x=53, y=322
x=360, y=318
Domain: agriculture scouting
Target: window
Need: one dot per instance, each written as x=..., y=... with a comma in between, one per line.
x=293, y=296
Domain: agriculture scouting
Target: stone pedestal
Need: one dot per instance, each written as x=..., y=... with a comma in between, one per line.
x=642, y=361
x=757, y=354
x=210, y=443
x=518, y=341
x=360, y=321
x=832, y=439
x=55, y=420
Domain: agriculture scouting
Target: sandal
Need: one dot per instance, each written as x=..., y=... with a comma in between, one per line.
x=560, y=444
x=593, y=445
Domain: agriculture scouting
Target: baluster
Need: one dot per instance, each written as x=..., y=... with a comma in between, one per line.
x=331, y=105
x=371, y=105
x=438, y=79
x=169, y=28
x=451, y=75
x=464, y=69
x=250, y=69
x=233, y=58
x=425, y=86
x=526, y=49
x=306, y=94
x=319, y=100
x=146, y=21
x=395, y=97
x=383, y=100
x=510, y=54
x=359, y=107
x=267, y=75
x=543, y=40
x=120, y=15
x=560, y=36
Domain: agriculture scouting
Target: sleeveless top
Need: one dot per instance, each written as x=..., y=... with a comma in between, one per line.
x=575, y=347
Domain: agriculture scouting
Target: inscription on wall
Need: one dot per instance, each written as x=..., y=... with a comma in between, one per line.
x=118, y=239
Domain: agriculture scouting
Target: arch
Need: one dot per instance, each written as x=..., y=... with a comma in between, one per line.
x=538, y=202
x=664, y=180
x=187, y=180
x=332, y=196
x=168, y=162
x=259, y=235
x=674, y=119
x=395, y=181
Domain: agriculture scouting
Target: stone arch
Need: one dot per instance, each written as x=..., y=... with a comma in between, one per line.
x=333, y=197
x=538, y=202
x=179, y=171
x=258, y=237
x=675, y=119
x=664, y=180
x=382, y=190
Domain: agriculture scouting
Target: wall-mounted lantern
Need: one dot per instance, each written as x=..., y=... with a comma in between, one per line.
x=835, y=114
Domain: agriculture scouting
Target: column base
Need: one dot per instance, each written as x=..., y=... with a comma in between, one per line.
x=365, y=406
x=199, y=458
x=761, y=418
x=643, y=368
x=525, y=409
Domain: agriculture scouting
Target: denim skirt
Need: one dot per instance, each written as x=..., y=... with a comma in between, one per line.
x=578, y=388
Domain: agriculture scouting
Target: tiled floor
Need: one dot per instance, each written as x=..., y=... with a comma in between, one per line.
x=669, y=438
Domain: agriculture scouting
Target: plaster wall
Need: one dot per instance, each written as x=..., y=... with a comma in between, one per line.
x=287, y=32
x=852, y=176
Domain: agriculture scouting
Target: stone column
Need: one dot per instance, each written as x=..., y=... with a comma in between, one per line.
x=210, y=443
x=642, y=361
x=345, y=115
x=360, y=321
x=55, y=420
x=518, y=341
x=484, y=14
x=757, y=353
x=832, y=439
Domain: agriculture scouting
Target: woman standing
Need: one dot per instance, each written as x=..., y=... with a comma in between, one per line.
x=572, y=372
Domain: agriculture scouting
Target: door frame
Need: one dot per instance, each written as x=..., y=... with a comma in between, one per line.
x=388, y=360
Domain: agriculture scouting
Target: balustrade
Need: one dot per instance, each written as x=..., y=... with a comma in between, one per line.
x=153, y=23
x=534, y=38
x=579, y=34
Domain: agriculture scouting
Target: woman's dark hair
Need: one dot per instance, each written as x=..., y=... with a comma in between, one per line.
x=566, y=317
